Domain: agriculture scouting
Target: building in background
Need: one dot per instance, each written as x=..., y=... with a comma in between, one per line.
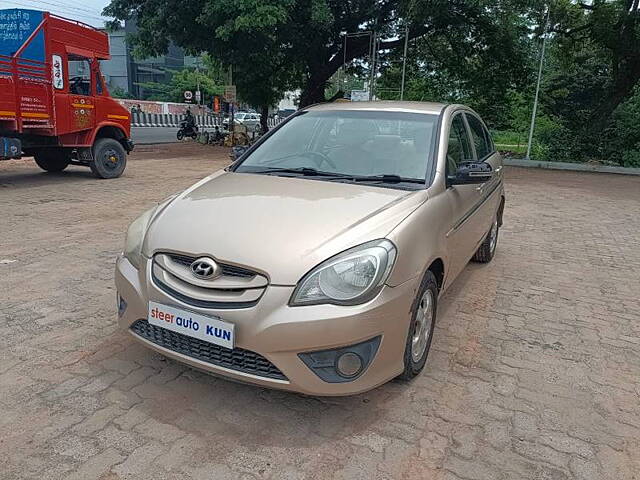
x=125, y=72
x=116, y=70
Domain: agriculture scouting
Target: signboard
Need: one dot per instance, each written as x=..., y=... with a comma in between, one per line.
x=188, y=96
x=198, y=96
x=230, y=93
x=16, y=25
x=359, y=95
x=56, y=72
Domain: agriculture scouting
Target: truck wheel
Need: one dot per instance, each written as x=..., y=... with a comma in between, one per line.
x=109, y=158
x=52, y=159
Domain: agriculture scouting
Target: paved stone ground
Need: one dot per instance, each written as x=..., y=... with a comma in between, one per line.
x=534, y=372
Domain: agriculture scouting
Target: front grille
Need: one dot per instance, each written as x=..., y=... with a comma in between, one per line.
x=228, y=270
x=194, y=302
x=237, y=359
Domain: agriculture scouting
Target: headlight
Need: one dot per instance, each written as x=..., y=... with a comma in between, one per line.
x=350, y=278
x=135, y=236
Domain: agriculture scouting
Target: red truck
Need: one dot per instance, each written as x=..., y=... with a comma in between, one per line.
x=54, y=104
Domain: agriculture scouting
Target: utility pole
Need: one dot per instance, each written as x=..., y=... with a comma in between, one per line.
x=535, y=101
x=232, y=106
x=404, y=60
x=344, y=60
x=373, y=64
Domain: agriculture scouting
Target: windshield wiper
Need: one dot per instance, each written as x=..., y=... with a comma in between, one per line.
x=305, y=171
x=312, y=172
x=386, y=178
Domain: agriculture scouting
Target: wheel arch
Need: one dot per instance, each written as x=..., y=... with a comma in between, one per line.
x=111, y=130
x=437, y=268
x=501, y=210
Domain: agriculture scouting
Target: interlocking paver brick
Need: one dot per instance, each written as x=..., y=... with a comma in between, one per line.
x=533, y=373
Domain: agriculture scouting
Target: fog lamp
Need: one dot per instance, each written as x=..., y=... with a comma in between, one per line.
x=349, y=364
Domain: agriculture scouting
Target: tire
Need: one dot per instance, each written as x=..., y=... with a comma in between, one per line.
x=52, y=159
x=109, y=158
x=419, y=342
x=180, y=134
x=487, y=248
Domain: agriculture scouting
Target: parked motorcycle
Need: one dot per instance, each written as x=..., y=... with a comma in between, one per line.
x=187, y=130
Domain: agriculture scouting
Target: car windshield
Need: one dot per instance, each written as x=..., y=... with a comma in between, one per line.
x=365, y=144
x=240, y=116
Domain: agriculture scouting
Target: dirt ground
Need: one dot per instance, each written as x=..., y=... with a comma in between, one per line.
x=534, y=370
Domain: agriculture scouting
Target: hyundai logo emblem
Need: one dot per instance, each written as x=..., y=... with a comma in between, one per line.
x=204, y=268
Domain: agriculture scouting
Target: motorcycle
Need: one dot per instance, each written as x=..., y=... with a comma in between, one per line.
x=187, y=130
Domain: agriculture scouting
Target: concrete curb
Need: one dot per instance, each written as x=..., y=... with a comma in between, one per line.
x=575, y=167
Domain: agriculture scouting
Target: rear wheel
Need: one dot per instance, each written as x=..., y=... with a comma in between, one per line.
x=423, y=321
x=52, y=159
x=109, y=158
x=487, y=249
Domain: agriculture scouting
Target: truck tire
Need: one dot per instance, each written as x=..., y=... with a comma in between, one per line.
x=109, y=158
x=52, y=159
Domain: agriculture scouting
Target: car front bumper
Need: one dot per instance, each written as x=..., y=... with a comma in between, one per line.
x=280, y=333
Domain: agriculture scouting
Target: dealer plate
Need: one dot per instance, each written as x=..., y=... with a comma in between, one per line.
x=208, y=329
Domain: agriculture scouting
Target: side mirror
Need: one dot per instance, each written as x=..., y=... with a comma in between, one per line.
x=471, y=173
x=237, y=152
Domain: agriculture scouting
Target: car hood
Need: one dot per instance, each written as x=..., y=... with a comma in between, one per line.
x=281, y=226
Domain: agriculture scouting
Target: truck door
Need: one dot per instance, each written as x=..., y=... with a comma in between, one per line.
x=81, y=97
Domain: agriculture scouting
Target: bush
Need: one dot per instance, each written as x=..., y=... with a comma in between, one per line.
x=631, y=158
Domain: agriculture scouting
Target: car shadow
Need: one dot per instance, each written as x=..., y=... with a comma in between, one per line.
x=210, y=406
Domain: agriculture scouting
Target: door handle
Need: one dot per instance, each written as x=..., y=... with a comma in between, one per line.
x=480, y=188
x=499, y=169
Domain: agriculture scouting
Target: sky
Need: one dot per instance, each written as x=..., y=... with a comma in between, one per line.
x=87, y=11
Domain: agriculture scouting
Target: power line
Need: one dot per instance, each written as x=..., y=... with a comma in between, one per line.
x=66, y=10
x=65, y=6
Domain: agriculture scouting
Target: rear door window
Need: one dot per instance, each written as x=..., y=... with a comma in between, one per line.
x=480, y=137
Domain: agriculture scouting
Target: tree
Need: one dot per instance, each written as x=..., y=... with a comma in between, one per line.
x=278, y=45
x=489, y=55
x=610, y=31
x=181, y=80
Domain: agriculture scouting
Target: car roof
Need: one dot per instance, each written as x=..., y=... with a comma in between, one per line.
x=383, y=106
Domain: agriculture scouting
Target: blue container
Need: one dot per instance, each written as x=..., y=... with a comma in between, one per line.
x=10, y=148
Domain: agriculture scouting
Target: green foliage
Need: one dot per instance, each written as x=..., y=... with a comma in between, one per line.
x=182, y=80
x=119, y=92
x=483, y=53
x=622, y=138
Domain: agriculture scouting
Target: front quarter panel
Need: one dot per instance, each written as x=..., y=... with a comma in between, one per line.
x=420, y=240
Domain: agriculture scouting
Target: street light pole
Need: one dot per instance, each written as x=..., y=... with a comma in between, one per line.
x=535, y=101
x=404, y=60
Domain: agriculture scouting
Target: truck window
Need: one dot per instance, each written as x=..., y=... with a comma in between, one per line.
x=79, y=75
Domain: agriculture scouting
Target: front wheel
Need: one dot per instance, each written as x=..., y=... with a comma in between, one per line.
x=487, y=248
x=180, y=134
x=423, y=321
x=109, y=158
x=52, y=159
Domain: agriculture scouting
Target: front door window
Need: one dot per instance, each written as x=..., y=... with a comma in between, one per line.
x=79, y=75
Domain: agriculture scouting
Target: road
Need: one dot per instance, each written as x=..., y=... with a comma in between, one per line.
x=153, y=135
x=533, y=372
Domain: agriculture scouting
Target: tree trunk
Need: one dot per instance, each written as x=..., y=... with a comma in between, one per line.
x=620, y=91
x=313, y=91
x=264, y=117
